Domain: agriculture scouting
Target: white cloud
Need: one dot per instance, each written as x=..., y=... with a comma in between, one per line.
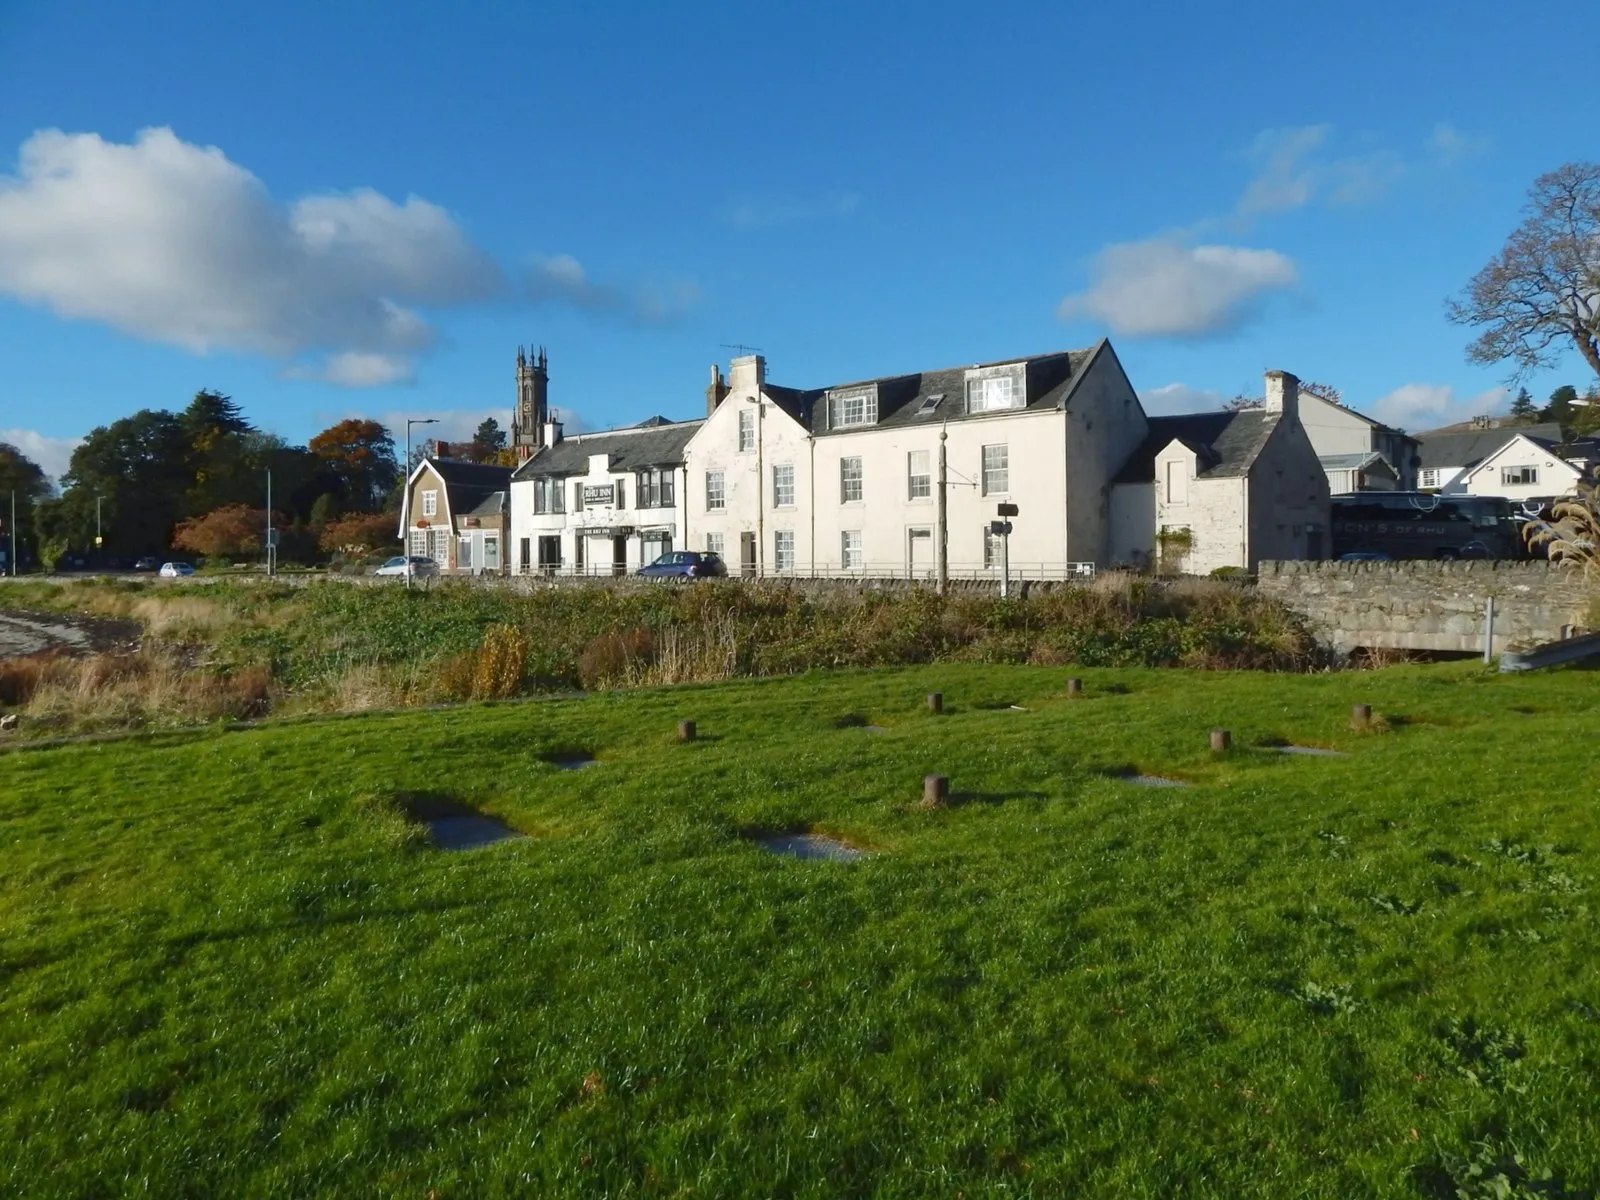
x=1294, y=171
x=1430, y=405
x=54, y=454
x=562, y=279
x=1174, y=398
x=173, y=242
x=755, y=212
x=1162, y=287
x=1450, y=145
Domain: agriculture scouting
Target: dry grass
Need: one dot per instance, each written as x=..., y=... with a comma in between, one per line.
x=153, y=687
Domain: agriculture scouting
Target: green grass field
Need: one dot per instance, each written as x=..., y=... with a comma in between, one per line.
x=228, y=968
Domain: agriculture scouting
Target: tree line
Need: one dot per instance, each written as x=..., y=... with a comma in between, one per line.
x=196, y=481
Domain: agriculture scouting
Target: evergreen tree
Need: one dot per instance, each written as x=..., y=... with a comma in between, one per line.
x=1523, y=408
x=1559, y=409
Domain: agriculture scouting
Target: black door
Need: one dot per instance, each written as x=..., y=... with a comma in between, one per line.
x=619, y=556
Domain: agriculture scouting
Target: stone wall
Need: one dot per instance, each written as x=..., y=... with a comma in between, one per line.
x=1432, y=605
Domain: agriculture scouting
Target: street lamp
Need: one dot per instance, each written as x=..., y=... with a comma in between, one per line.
x=405, y=497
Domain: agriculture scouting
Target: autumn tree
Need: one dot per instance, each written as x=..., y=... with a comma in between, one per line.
x=231, y=530
x=359, y=457
x=360, y=534
x=1541, y=292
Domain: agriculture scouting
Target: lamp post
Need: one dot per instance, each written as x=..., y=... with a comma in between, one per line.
x=405, y=496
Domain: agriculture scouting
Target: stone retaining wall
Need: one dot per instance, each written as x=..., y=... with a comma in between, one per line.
x=1433, y=605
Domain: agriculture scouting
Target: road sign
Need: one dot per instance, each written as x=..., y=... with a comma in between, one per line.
x=1008, y=510
x=1001, y=527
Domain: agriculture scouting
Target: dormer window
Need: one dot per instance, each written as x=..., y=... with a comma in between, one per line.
x=994, y=389
x=848, y=409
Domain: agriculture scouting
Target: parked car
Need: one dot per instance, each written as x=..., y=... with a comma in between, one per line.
x=418, y=566
x=147, y=563
x=175, y=570
x=685, y=564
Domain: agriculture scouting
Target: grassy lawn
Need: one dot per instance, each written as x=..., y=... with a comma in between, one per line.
x=227, y=968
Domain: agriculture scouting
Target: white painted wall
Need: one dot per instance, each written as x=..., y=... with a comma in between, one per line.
x=571, y=525
x=1132, y=525
x=749, y=495
x=1556, y=476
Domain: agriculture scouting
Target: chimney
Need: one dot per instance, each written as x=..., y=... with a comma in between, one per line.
x=552, y=433
x=717, y=391
x=1283, y=394
x=747, y=375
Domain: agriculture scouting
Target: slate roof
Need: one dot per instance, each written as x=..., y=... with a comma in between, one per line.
x=471, y=486
x=1353, y=462
x=1468, y=448
x=1050, y=378
x=656, y=443
x=1227, y=443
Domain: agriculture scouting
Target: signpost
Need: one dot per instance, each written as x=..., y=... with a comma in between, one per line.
x=1003, y=528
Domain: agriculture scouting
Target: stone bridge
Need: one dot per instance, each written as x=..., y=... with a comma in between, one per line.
x=1434, y=605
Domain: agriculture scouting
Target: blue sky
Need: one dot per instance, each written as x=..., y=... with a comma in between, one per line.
x=362, y=208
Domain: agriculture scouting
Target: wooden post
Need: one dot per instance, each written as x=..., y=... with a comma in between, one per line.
x=1221, y=740
x=1360, y=715
x=936, y=702
x=686, y=731
x=935, y=791
x=1074, y=688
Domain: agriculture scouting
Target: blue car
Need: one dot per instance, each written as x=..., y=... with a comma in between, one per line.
x=685, y=564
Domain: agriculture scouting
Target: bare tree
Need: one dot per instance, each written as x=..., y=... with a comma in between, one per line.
x=1244, y=403
x=1543, y=288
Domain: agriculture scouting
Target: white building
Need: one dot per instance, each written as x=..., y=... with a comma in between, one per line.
x=1223, y=489
x=1448, y=455
x=1528, y=468
x=600, y=503
x=844, y=479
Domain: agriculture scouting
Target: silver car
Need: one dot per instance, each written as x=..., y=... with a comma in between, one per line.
x=417, y=566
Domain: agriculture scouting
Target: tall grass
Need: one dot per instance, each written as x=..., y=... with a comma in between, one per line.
x=335, y=647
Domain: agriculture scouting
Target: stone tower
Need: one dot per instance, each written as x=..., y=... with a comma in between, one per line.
x=533, y=402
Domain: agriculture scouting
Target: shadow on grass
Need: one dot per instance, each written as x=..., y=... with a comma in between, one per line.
x=958, y=799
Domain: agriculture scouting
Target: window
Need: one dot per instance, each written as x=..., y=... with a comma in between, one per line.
x=1515, y=476
x=524, y=554
x=463, y=553
x=783, y=485
x=850, y=549
x=993, y=393
x=577, y=496
x=852, y=408
x=1177, y=482
x=547, y=494
x=929, y=403
x=919, y=477
x=714, y=544
x=991, y=547
x=849, y=480
x=996, y=470
x=783, y=550
x=1428, y=478
x=656, y=488
x=747, y=430
x=419, y=543
x=716, y=491
x=491, y=552
x=430, y=503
